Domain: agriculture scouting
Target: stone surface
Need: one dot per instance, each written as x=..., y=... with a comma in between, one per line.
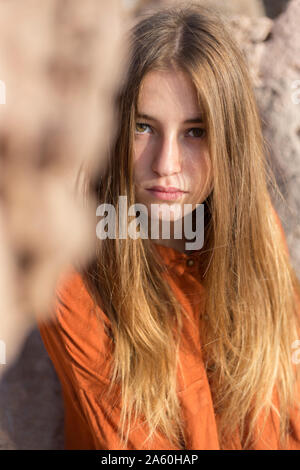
x=279, y=102
x=56, y=121
x=241, y=7
x=272, y=51
x=31, y=405
x=60, y=66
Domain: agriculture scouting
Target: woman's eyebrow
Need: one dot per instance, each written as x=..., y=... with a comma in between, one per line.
x=193, y=120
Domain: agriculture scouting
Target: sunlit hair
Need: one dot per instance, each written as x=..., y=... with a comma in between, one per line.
x=249, y=282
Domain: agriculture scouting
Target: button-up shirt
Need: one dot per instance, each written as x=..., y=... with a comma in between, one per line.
x=80, y=349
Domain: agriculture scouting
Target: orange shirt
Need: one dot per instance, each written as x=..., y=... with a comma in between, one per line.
x=79, y=349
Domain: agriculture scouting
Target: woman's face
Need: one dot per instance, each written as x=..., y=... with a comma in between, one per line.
x=171, y=158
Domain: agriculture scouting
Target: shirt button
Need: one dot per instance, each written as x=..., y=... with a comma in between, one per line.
x=190, y=262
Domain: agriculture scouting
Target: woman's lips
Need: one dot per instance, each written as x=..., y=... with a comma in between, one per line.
x=166, y=193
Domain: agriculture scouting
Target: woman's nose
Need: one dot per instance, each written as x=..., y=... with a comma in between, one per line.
x=167, y=158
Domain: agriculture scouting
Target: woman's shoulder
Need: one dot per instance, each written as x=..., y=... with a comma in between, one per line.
x=72, y=295
x=279, y=225
x=72, y=299
x=76, y=330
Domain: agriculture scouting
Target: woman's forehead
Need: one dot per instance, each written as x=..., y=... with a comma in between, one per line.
x=170, y=89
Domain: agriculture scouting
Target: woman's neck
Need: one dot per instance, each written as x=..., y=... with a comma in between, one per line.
x=176, y=244
x=172, y=242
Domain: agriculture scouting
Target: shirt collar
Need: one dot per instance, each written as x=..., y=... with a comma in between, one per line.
x=177, y=260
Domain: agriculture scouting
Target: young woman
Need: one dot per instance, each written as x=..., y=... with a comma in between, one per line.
x=162, y=347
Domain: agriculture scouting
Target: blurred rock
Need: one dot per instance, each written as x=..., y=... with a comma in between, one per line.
x=60, y=73
x=251, y=8
x=251, y=34
x=272, y=51
x=60, y=68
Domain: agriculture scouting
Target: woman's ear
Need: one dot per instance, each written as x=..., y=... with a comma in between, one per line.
x=278, y=222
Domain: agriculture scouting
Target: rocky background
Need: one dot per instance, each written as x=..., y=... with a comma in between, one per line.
x=31, y=409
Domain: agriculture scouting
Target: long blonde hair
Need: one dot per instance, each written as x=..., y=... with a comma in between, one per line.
x=250, y=285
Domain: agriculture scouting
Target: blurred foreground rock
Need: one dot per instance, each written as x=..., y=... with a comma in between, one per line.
x=59, y=74
x=60, y=68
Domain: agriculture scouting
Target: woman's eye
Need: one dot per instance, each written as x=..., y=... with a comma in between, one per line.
x=197, y=132
x=141, y=128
